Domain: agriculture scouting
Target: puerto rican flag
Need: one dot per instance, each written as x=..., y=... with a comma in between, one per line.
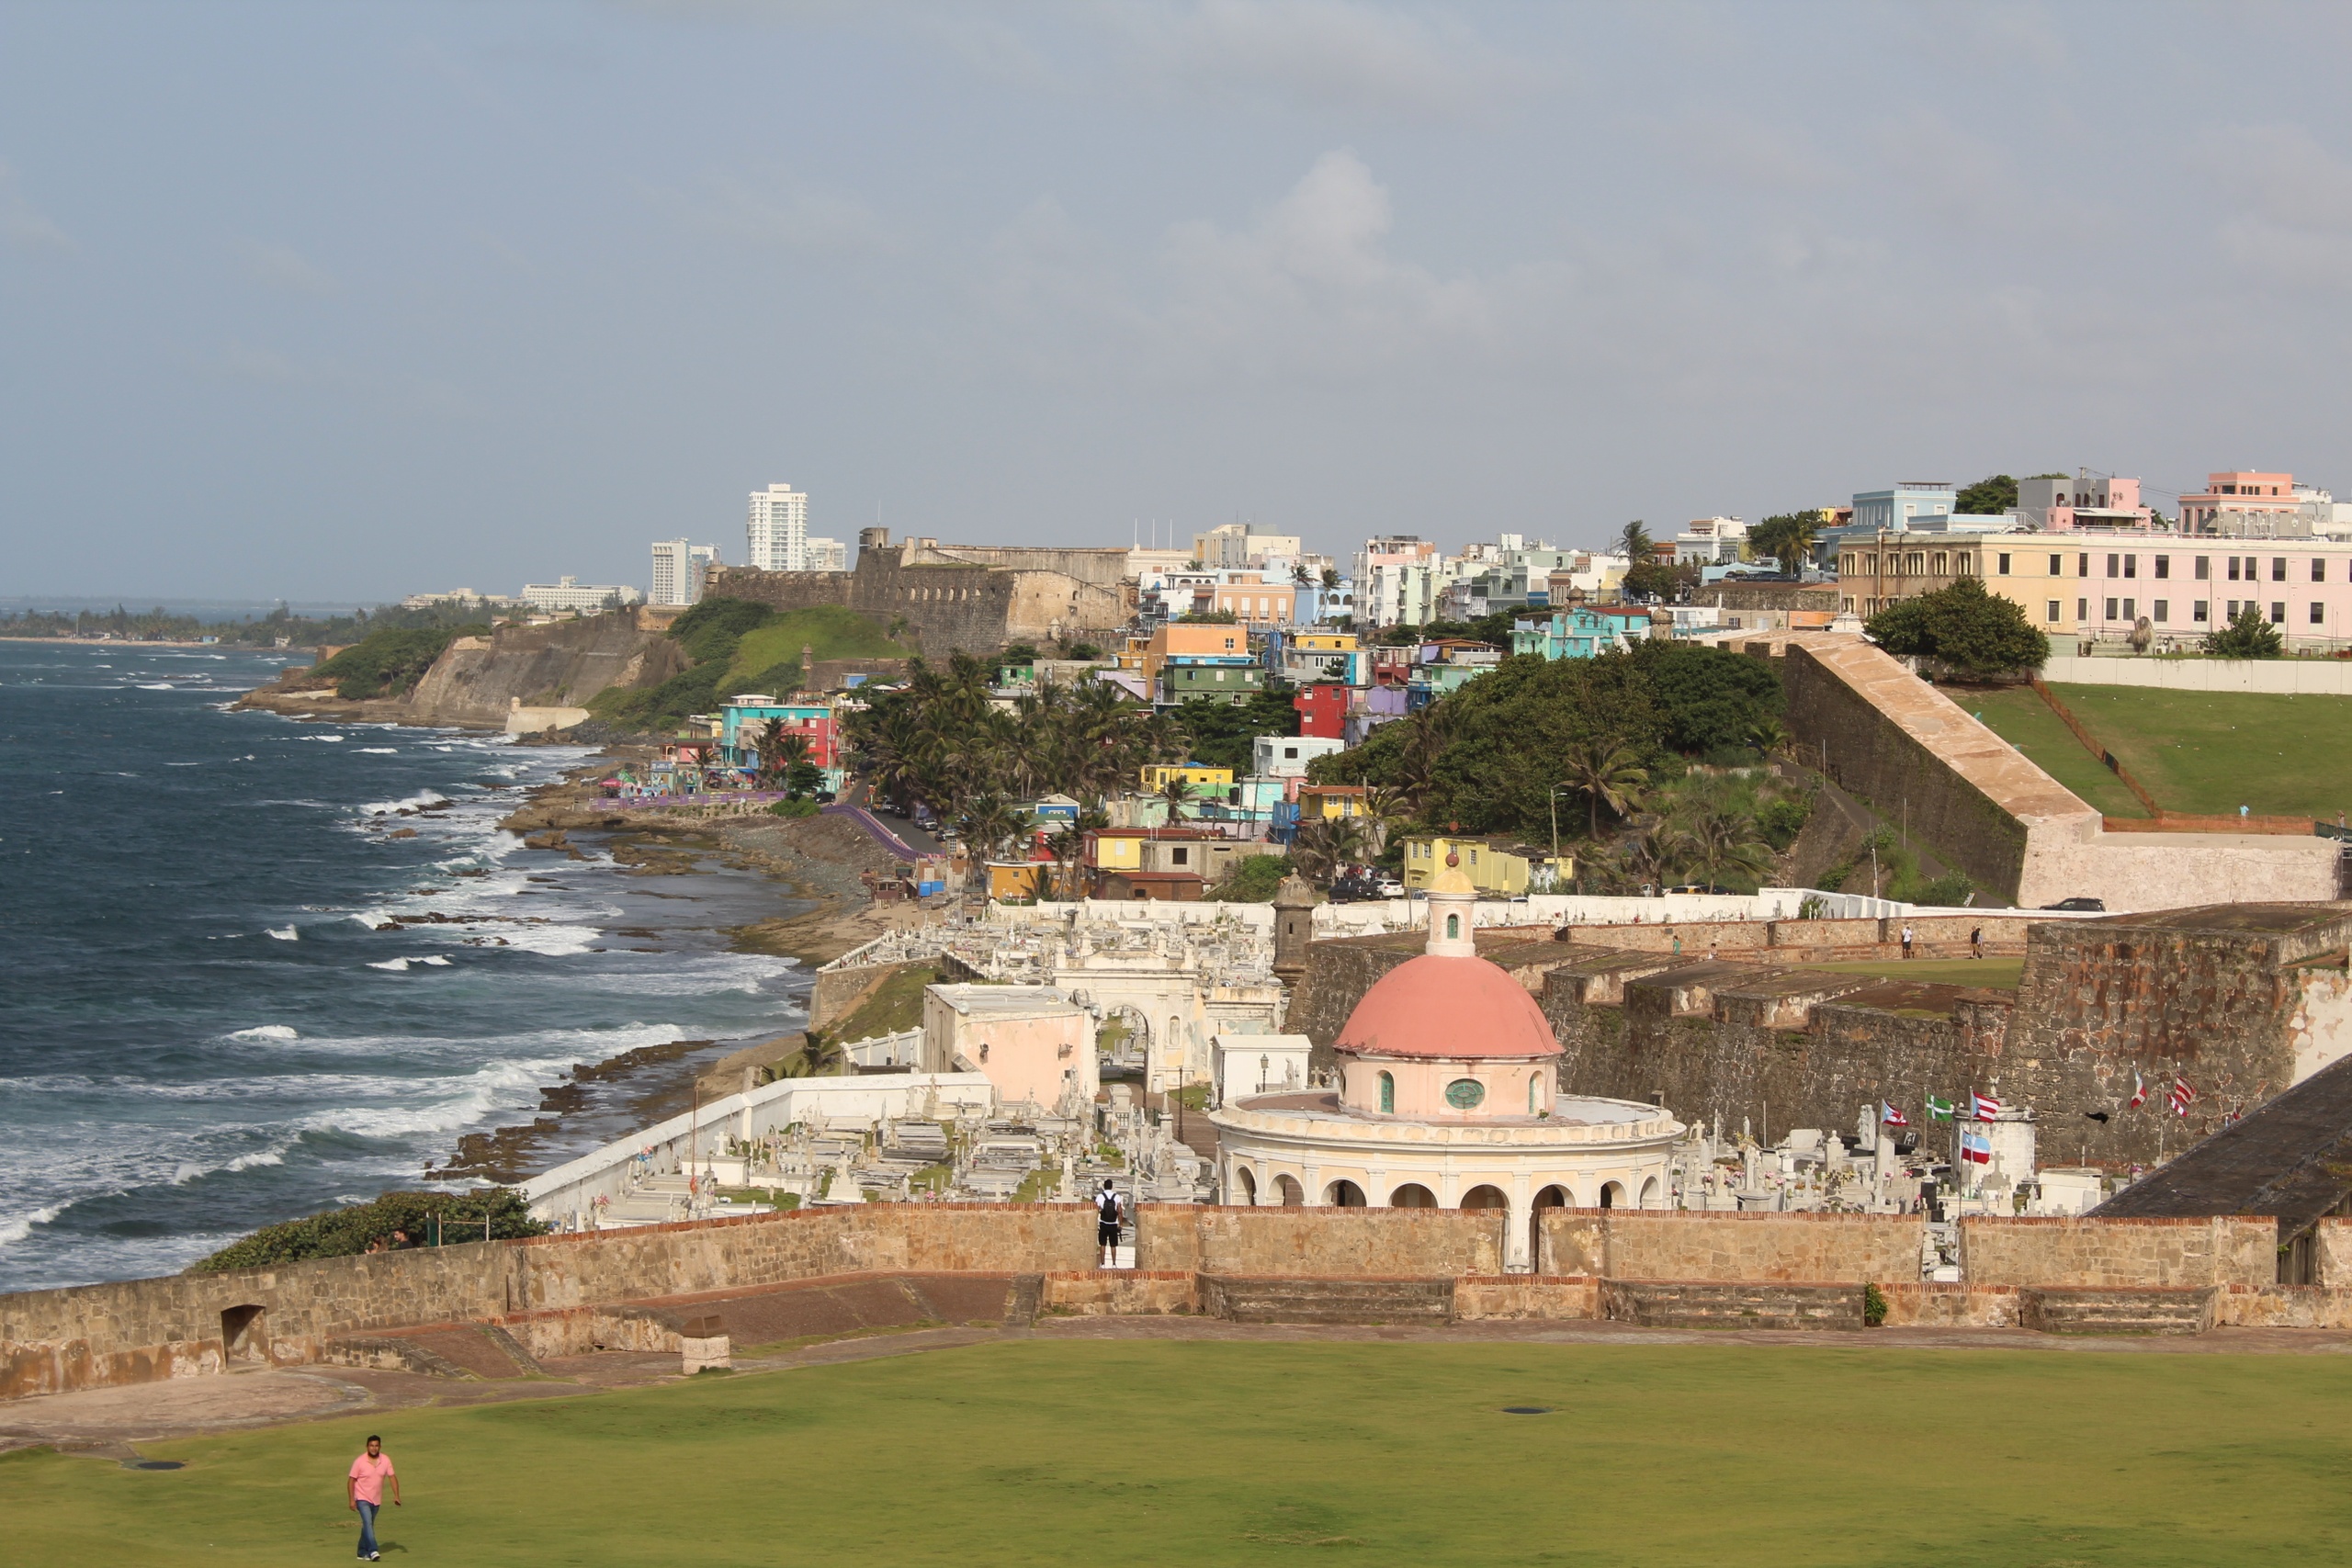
x=1891, y=1116
x=2139, y=1091
x=1986, y=1107
x=1976, y=1147
x=2180, y=1096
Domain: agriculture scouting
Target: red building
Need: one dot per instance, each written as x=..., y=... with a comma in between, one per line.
x=1322, y=711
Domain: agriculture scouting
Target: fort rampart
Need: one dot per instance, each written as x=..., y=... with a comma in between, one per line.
x=568, y=1293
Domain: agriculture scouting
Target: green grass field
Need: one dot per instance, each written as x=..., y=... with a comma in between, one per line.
x=2205, y=752
x=1157, y=1452
x=829, y=631
x=1995, y=973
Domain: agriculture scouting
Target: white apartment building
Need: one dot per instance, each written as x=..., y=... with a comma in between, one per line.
x=828, y=555
x=778, y=529
x=1399, y=578
x=680, y=571
x=1234, y=547
x=581, y=598
x=459, y=596
x=1710, y=541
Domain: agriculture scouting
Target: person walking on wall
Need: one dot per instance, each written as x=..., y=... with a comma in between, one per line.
x=1906, y=941
x=1976, y=942
x=1106, y=1223
x=365, y=1488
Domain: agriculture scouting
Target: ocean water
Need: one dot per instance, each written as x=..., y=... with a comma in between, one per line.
x=212, y=1020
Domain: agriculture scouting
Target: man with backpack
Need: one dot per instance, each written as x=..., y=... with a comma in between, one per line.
x=1107, y=1216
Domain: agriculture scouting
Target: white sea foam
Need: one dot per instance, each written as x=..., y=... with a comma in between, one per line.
x=158, y=686
x=429, y=800
x=379, y=750
x=550, y=942
x=17, y=1227
x=288, y=934
x=435, y=960
x=326, y=737
x=266, y=1032
x=370, y=920
x=397, y=966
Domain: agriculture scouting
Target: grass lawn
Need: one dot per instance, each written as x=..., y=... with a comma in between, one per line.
x=1156, y=1452
x=2019, y=716
x=829, y=631
x=1997, y=974
x=2206, y=752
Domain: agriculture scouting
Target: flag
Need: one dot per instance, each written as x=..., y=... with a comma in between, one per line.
x=2179, y=1096
x=1939, y=1109
x=1891, y=1116
x=1986, y=1107
x=2139, y=1091
x=1976, y=1147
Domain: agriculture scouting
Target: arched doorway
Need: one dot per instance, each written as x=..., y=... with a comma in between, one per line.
x=1412, y=1195
x=1552, y=1197
x=1650, y=1194
x=1344, y=1195
x=1245, y=1185
x=244, y=1334
x=1612, y=1194
x=1288, y=1192
x=1485, y=1197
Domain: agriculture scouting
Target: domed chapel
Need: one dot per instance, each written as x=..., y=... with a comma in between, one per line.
x=1447, y=1099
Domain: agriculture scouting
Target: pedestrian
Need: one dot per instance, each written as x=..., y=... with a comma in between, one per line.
x=1906, y=941
x=364, y=1487
x=1106, y=1223
x=1976, y=942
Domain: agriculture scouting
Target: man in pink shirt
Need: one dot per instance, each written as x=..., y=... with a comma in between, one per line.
x=366, y=1489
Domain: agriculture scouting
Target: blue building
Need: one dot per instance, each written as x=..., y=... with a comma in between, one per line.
x=1580, y=631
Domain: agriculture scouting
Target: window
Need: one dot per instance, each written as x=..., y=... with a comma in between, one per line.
x=2318, y=569
x=1918, y=562
x=1290, y=753
x=2110, y=609
x=2278, y=568
x=2057, y=566
x=1531, y=1094
x=2130, y=611
x=2083, y=564
x=1846, y=565
x=2319, y=614
x=2053, y=612
x=2277, y=614
x=2001, y=566
x=1941, y=563
x=1847, y=604
x=2253, y=569
x=2233, y=569
x=1179, y=855
x=2230, y=611
x=2081, y=609
x=1453, y=928
x=2111, y=568
x=2204, y=569
x=1387, y=1094
x=2163, y=611
x=2164, y=566
x=2199, y=610
x=1465, y=1094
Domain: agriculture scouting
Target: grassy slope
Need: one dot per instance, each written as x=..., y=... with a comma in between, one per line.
x=1995, y=974
x=895, y=1005
x=834, y=631
x=1035, y=1452
x=2020, y=717
x=2213, y=751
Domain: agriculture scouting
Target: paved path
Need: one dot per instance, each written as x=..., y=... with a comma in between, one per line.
x=873, y=824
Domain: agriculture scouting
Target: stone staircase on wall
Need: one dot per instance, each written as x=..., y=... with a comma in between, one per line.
x=1666, y=1303
x=2153, y=1310
x=1238, y=1299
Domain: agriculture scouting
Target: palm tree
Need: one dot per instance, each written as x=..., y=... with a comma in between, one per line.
x=988, y=823
x=1322, y=847
x=1721, y=843
x=1429, y=731
x=1770, y=738
x=1635, y=540
x=820, y=1056
x=1175, y=789
x=1607, y=772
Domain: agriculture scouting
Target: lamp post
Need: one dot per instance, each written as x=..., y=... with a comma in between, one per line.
x=1557, y=791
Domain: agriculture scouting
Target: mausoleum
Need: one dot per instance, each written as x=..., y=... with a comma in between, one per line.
x=1447, y=1099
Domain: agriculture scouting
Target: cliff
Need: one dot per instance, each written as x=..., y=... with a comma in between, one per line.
x=478, y=681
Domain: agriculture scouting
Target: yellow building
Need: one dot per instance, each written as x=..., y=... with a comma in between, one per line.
x=1325, y=803
x=1495, y=867
x=1216, y=783
x=2042, y=581
x=1322, y=642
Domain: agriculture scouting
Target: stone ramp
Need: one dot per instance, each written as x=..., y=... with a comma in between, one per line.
x=1672, y=1304
x=824, y=1308
x=2149, y=1310
x=444, y=1350
x=1247, y=1298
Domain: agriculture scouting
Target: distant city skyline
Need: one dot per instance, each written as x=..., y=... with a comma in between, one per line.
x=495, y=295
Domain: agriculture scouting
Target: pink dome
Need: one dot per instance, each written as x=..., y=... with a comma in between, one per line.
x=1453, y=1007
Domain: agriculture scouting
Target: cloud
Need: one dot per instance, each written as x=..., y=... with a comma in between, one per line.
x=2293, y=200
x=23, y=226
x=788, y=215
x=246, y=362
x=283, y=267
x=1959, y=178
x=1329, y=52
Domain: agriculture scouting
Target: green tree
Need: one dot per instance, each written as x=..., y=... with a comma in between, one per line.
x=1988, y=497
x=1607, y=772
x=1654, y=580
x=1633, y=541
x=2248, y=636
x=1963, y=627
x=1787, y=538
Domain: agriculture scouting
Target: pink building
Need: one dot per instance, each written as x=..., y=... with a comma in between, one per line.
x=2186, y=586
x=2084, y=502
x=1034, y=1042
x=2239, y=490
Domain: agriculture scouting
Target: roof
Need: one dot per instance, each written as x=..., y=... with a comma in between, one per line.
x=1454, y=1009
x=1005, y=999
x=2291, y=1157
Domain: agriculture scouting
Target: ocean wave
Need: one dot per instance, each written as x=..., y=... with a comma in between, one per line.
x=17, y=1227
x=548, y=942
x=290, y=933
x=326, y=737
x=435, y=960
x=266, y=1032
x=397, y=966
x=189, y=1170
x=157, y=686
x=428, y=800
x=379, y=750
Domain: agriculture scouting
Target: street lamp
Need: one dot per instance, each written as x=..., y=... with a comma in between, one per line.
x=1557, y=791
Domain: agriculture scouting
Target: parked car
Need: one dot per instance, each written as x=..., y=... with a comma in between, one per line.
x=1390, y=887
x=2094, y=905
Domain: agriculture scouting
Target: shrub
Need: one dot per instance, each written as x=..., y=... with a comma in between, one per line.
x=344, y=1232
x=1874, y=1306
x=390, y=663
x=1254, y=880
x=1782, y=819
x=1963, y=626
x=1948, y=891
x=794, y=808
x=2248, y=636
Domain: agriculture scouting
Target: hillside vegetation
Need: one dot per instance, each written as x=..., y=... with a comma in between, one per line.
x=389, y=661
x=738, y=645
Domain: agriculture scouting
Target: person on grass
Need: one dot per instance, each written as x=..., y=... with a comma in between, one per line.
x=1106, y=1223
x=365, y=1489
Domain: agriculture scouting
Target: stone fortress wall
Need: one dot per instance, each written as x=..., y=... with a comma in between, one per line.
x=954, y=599
x=636, y=1289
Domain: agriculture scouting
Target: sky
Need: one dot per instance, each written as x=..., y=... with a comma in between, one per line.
x=356, y=300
